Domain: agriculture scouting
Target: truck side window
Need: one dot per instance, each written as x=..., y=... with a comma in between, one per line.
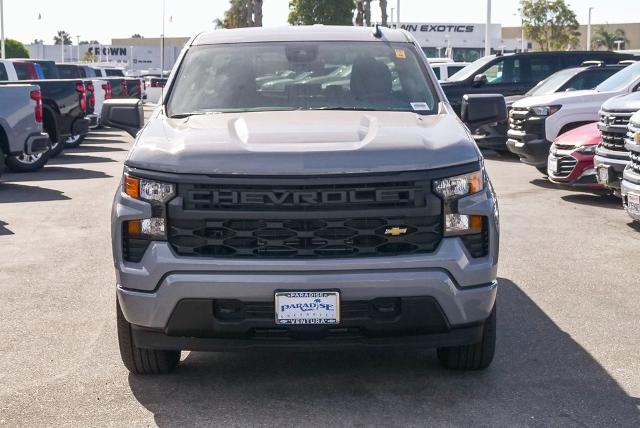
x=506, y=70
x=3, y=73
x=436, y=70
x=541, y=68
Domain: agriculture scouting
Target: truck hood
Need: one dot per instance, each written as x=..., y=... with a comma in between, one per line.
x=623, y=103
x=302, y=143
x=573, y=97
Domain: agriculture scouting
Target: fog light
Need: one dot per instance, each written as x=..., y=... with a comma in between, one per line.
x=462, y=224
x=149, y=228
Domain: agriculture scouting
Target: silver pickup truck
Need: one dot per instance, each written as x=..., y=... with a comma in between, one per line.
x=334, y=209
x=21, y=122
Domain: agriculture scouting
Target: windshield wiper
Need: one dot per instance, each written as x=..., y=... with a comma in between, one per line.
x=193, y=113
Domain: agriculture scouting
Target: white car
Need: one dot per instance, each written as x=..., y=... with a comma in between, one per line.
x=444, y=70
x=7, y=71
x=534, y=122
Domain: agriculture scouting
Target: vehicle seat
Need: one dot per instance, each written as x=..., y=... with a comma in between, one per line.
x=371, y=80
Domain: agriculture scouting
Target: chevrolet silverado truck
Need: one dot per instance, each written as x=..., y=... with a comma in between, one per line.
x=631, y=177
x=64, y=105
x=312, y=217
x=612, y=154
x=535, y=122
x=21, y=122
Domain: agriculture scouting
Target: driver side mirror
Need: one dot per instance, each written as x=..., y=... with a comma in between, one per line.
x=483, y=109
x=480, y=80
x=125, y=114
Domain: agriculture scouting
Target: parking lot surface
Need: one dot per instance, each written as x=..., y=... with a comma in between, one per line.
x=568, y=323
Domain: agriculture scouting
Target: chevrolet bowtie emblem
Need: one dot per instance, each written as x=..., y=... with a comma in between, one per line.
x=636, y=137
x=396, y=231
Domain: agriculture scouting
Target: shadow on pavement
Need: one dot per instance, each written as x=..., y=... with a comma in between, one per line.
x=3, y=230
x=603, y=201
x=49, y=173
x=540, y=376
x=11, y=193
x=101, y=140
x=69, y=158
x=544, y=183
x=504, y=155
x=94, y=149
x=635, y=225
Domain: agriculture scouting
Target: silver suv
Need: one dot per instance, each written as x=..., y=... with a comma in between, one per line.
x=305, y=188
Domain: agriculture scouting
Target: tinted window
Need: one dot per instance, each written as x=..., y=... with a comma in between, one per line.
x=98, y=72
x=22, y=70
x=88, y=71
x=589, y=79
x=621, y=79
x=3, y=73
x=68, y=71
x=302, y=76
x=471, y=69
x=453, y=69
x=113, y=72
x=541, y=67
x=436, y=70
x=49, y=69
x=506, y=70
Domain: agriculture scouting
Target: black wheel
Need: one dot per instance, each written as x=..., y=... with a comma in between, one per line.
x=74, y=141
x=477, y=356
x=142, y=361
x=542, y=169
x=56, y=148
x=27, y=163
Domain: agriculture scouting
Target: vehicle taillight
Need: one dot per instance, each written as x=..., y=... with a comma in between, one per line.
x=92, y=94
x=83, y=96
x=125, y=90
x=107, y=91
x=37, y=97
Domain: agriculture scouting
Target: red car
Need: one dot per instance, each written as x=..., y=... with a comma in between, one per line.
x=571, y=157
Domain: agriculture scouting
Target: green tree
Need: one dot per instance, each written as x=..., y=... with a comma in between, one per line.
x=62, y=35
x=89, y=57
x=550, y=23
x=137, y=36
x=241, y=13
x=15, y=49
x=330, y=12
x=607, y=40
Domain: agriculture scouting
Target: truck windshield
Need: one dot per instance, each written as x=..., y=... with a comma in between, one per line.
x=471, y=69
x=553, y=83
x=621, y=79
x=302, y=76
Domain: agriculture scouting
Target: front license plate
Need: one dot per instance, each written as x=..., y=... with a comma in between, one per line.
x=603, y=175
x=308, y=307
x=633, y=203
x=553, y=165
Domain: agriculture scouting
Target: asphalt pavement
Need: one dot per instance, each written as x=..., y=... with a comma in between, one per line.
x=568, y=323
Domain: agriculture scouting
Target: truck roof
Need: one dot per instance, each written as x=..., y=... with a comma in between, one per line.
x=298, y=33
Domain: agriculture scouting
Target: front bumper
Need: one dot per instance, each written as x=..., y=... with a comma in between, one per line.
x=614, y=162
x=37, y=143
x=630, y=184
x=582, y=175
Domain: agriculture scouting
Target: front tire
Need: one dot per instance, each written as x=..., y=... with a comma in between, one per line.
x=477, y=356
x=142, y=361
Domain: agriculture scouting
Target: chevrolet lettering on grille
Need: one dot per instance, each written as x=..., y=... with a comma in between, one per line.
x=302, y=197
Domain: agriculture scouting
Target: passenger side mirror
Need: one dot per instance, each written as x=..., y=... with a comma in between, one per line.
x=483, y=109
x=480, y=80
x=125, y=114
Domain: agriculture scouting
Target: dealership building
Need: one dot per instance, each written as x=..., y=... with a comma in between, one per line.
x=460, y=41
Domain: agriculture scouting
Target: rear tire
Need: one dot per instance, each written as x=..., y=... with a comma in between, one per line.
x=27, y=163
x=73, y=141
x=142, y=361
x=56, y=148
x=477, y=356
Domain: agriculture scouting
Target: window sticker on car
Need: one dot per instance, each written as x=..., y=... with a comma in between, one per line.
x=400, y=53
x=420, y=106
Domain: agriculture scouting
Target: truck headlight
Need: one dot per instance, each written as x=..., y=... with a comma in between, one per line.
x=148, y=190
x=544, y=110
x=451, y=189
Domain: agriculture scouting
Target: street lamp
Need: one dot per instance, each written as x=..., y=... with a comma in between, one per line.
x=487, y=31
x=4, y=55
x=589, y=29
x=78, y=41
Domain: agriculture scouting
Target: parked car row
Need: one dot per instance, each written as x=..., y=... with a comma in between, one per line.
x=45, y=107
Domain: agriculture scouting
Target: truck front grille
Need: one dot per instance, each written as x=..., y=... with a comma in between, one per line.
x=297, y=218
x=635, y=162
x=517, y=119
x=566, y=164
x=616, y=128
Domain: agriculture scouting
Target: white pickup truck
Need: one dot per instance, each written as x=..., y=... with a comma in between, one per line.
x=534, y=122
x=21, y=122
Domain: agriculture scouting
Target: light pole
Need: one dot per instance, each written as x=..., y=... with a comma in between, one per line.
x=618, y=43
x=78, y=41
x=164, y=5
x=62, y=48
x=391, y=21
x=487, y=31
x=4, y=55
x=589, y=30
x=398, y=14
x=523, y=42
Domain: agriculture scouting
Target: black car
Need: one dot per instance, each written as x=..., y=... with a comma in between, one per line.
x=515, y=74
x=587, y=76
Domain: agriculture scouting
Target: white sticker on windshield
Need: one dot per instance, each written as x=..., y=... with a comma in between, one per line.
x=420, y=106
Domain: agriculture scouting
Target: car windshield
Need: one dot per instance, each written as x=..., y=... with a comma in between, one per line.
x=552, y=83
x=302, y=76
x=621, y=79
x=471, y=69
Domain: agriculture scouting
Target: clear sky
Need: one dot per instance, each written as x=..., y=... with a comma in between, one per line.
x=103, y=19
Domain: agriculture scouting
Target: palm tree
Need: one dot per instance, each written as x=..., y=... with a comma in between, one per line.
x=383, y=12
x=359, y=13
x=367, y=13
x=257, y=13
x=605, y=39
